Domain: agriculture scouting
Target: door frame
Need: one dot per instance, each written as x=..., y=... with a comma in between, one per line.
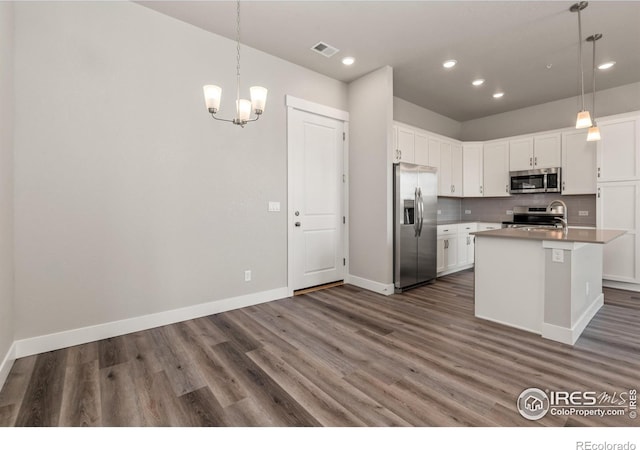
x=294, y=103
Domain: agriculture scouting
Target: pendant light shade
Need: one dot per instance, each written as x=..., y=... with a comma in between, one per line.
x=584, y=118
x=594, y=131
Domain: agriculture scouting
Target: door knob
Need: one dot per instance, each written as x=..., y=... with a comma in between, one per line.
x=297, y=213
x=297, y=224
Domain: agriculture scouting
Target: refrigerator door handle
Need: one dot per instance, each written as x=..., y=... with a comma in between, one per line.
x=421, y=206
x=416, y=213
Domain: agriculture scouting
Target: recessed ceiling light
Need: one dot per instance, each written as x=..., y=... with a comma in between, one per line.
x=348, y=60
x=478, y=82
x=449, y=63
x=607, y=65
x=498, y=95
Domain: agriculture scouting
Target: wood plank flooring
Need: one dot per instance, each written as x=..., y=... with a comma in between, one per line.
x=337, y=357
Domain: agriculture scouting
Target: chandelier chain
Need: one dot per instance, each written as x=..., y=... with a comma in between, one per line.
x=238, y=49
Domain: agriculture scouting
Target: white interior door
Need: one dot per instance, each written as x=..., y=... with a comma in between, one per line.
x=316, y=158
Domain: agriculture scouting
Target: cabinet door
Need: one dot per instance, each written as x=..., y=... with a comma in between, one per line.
x=617, y=208
x=450, y=252
x=546, y=151
x=421, y=147
x=472, y=170
x=578, y=163
x=495, y=165
x=456, y=170
x=463, y=253
x=405, y=145
x=618, y=150
x=521, y=154
x=434, y=157
x=446, y=169
x=440, y=256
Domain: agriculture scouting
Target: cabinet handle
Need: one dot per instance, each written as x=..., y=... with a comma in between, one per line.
x=481, y=189
x=531, y=162
x=506, y=188
x=399, y=154
x=446, y=244
x=453, y=188
x=563, y=186
x=535, y=161
x=598, y=192
x=468, y=240
x=598, y=172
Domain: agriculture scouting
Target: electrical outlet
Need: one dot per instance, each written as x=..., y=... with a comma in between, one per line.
x=247, y=275
x=274, y=206
x=439, y=211
x=467, y=211
x=583, y=213
x=509, y=212
x=557, y=255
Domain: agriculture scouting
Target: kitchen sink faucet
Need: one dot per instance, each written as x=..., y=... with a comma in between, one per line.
x=563, y=221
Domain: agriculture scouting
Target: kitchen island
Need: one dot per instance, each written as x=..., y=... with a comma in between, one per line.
x=541, y=280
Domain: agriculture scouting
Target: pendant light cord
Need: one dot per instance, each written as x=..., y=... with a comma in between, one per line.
x=580, y=57
x=594, y=78
x=238, y=57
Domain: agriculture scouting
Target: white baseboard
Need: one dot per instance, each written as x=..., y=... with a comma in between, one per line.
x=63, y=339
x=621, y=285
x=570, y=335
x=7, y=363
x=380, y=288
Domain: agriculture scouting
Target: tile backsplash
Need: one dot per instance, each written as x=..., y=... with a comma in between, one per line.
x=495, y=209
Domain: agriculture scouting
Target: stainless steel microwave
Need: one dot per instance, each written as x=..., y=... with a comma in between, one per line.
x=535, y=181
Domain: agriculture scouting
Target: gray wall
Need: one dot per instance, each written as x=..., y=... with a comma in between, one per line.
x=370, y=190
x=129, y=198
x=549, y=116
x=6, y=178
x=406, y=112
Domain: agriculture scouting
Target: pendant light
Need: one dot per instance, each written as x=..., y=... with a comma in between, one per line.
x=212, y=94
x=594, y=131
x=584, y=119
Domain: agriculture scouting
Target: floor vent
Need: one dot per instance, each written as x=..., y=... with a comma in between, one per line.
x=325, y=49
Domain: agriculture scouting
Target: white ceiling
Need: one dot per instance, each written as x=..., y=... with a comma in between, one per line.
x=508, y=43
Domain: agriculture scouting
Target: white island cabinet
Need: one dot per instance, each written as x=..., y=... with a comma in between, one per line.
x=543, y=281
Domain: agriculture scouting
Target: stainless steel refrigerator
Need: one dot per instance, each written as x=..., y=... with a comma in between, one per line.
x=415, y=193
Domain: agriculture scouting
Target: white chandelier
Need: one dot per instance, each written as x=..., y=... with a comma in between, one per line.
x=212, y=93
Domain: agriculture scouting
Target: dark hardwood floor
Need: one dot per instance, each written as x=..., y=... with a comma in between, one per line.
x=338, y=357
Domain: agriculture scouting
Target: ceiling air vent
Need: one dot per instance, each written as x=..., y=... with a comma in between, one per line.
x=325, y=49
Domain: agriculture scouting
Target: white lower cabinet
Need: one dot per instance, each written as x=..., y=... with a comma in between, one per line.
x=466, y=245
x=456, y=247
x=447, y=248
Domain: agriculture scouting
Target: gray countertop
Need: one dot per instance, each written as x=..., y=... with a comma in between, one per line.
x=586, y=235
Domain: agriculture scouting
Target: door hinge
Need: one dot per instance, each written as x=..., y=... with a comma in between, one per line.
x=344, y=219
x=344, y=261
x=344, y=136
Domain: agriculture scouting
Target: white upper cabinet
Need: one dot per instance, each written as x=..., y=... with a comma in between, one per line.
x=404, y=150
x=495, y=166
x=578, y=163
x=450, y=171
x=547, y=150
x=434, y=155
x=521, y=154
x=472, y=175
x=421, y=149
x=616, y=152
x=535, y=152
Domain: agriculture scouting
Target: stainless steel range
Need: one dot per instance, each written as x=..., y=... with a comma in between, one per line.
x=552, y=216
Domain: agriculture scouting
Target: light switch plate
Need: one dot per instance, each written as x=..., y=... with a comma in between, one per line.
x=467, y=211
x=439, y=211
x=509, y=212
x=274, y=206
x=583, y=213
